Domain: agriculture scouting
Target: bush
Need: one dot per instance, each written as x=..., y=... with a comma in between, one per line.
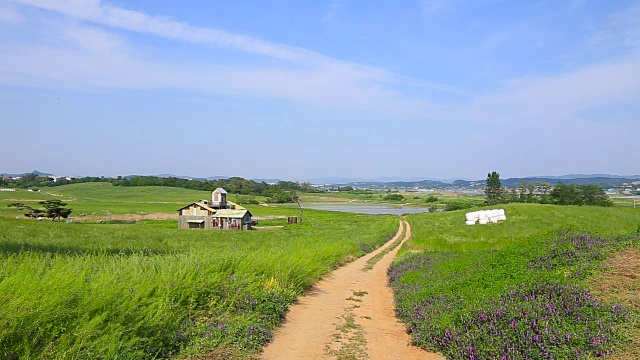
x=457, y=206
x=394, y=197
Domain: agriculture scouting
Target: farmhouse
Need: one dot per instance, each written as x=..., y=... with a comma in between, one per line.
x=215, y=214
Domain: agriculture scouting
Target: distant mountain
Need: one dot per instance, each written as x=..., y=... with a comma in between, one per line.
x=423, y=184
x=587, y=176
x=268, y=181
x=36, y=172
x=385, y=180
x=604, y=181
x=183, y=177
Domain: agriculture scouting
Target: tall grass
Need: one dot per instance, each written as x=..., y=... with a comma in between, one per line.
x=512, y=290
x=91, y=291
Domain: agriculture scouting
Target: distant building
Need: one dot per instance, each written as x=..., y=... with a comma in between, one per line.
x=215, y=214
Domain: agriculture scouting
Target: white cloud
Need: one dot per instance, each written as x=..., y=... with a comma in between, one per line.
x=334, y=8
x=102, y=13
x=81, y=55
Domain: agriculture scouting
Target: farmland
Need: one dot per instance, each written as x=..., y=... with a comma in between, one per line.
x=517, y=289
x=146, y=290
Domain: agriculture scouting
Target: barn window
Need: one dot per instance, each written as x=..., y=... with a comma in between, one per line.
x=196, y=224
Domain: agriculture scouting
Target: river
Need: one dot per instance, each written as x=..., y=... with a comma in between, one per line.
x=361, y=208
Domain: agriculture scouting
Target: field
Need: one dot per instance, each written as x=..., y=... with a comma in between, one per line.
x=87, y=290
x=530, y=287
x=518, y=289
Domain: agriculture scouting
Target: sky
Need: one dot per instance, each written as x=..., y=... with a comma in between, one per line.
x=305, y=89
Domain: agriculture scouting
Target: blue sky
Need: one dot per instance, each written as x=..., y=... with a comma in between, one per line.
x=304, y=89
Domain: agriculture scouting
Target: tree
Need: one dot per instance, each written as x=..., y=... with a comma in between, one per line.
x=55, y=209
x=493, y=189
x=431, y=199
x=394, y=197
x=31, y=212
x=594, y=195
x=579, y=195
x=563, y=194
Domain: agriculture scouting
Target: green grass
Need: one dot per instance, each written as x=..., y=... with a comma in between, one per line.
x=103, y=198
x=460, y=287
x=447, y=230
x=150, y=290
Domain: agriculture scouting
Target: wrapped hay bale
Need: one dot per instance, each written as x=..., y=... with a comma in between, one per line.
x=501, y=212
x=482, y=221
x=471, y=216
x=502, y=218
x=493, y=219
x=470, y=222
x=483, y=215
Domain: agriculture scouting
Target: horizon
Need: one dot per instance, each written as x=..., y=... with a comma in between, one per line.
x=333, y=88
x=381, y=179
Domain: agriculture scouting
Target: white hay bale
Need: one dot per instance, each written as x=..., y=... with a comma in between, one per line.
x=483, y=215
x=493, y=219
x=482, y=221
x=501, y=212
x=495, y=212
x=471, y=216
x=502, y=217
x=470, y=222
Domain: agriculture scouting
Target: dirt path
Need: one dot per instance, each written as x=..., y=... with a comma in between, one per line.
x=349, y=315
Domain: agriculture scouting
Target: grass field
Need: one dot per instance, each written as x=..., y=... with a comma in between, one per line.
x=149, y=290
x=519, y=289
x=101, y=199
x=514, y=290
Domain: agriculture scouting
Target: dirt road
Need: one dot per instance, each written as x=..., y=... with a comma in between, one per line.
x=349, y=315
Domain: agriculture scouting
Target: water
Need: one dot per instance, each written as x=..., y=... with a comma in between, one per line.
x=360, y=208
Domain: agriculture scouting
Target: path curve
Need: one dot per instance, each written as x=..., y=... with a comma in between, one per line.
x=349, y=314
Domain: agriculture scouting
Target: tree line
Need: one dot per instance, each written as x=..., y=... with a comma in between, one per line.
x=544, y=193
x=282, y=192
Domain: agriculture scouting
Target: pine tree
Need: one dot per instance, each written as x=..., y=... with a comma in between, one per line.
x=493, y=189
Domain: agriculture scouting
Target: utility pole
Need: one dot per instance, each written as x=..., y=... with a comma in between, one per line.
x=302, y=211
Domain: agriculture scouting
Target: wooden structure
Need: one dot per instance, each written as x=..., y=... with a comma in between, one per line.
x=215, y=214
x=219, y=199
x=232, y=219
x=195, y=216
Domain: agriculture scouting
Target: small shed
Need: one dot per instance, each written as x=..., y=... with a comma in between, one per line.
x=239, y=219
x=195, y=216
x=219, y=198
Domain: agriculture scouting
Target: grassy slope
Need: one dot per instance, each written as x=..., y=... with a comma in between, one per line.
x=100, y=198
x=450, y=272
x=83, y=290
x=447, y=230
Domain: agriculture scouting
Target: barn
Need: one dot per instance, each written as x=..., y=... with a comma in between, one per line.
x=215, y=214
x=239, y=219
x=196, y=216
